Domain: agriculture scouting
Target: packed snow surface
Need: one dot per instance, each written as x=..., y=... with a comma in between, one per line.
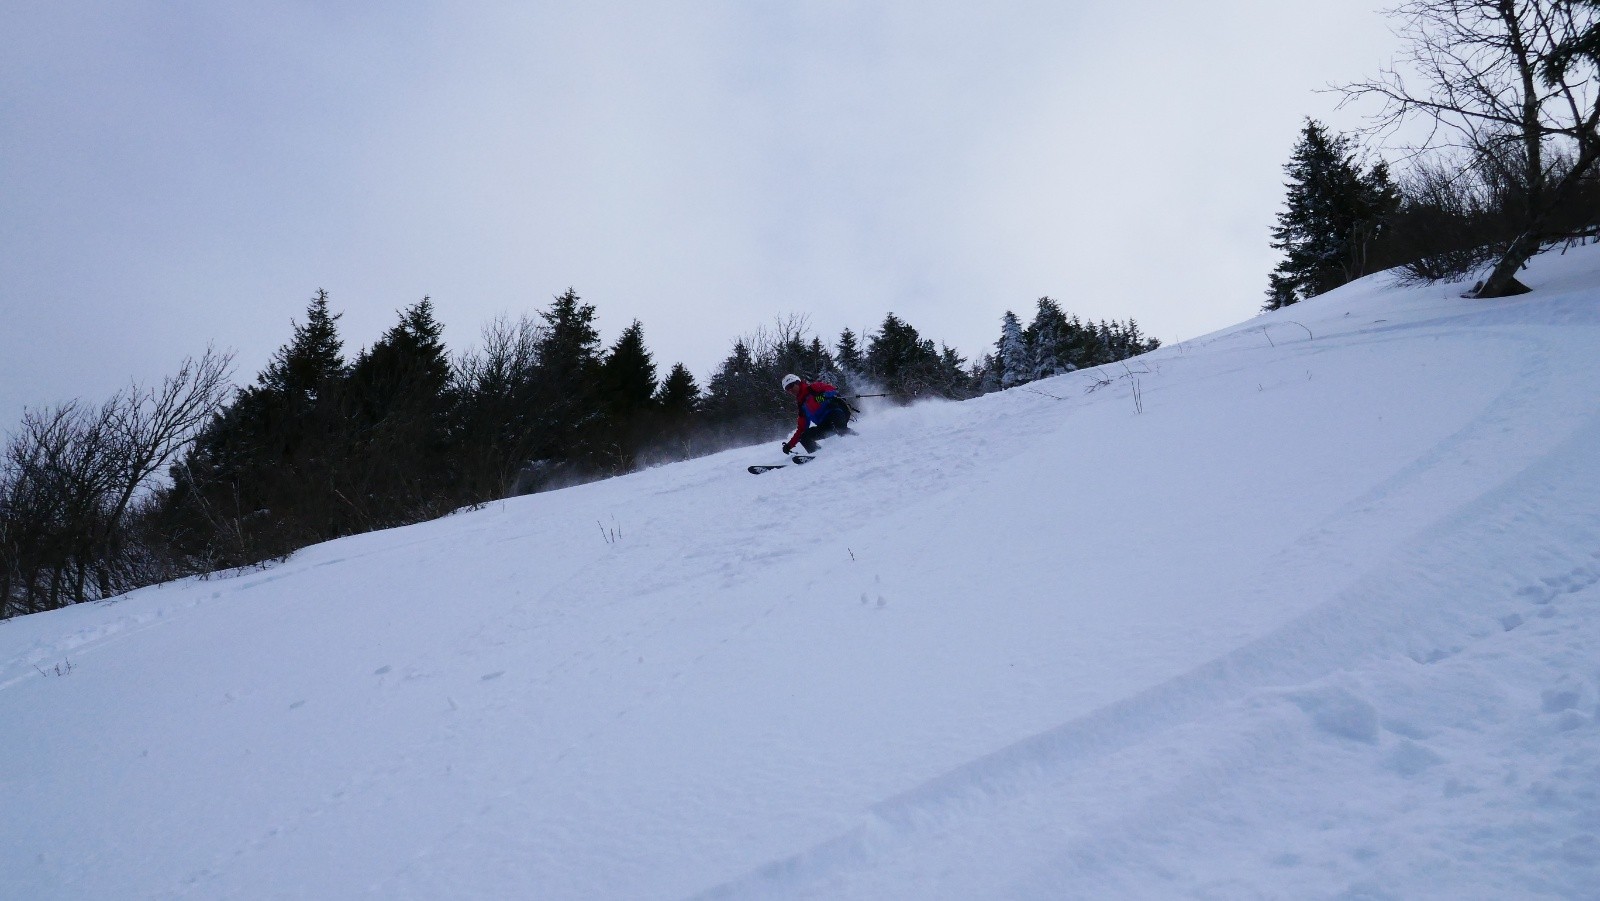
x=1307, y=608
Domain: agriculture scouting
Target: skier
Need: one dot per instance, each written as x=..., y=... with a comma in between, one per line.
x=822, y=413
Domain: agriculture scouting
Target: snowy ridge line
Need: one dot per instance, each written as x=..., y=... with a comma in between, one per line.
x=1418, y=596
x=1532, y=310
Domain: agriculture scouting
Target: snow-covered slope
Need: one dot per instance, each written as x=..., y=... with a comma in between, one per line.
x=1318, y=622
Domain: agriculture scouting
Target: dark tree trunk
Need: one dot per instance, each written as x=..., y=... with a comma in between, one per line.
x=1502, y=280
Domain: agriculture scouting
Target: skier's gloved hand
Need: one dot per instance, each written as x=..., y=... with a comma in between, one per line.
x=787, y=447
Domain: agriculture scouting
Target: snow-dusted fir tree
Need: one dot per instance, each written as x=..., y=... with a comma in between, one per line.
x=1011, y=359
x=984, y=375
x=1047, y=339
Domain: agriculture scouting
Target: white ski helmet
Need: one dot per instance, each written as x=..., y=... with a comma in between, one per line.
x=790, y=379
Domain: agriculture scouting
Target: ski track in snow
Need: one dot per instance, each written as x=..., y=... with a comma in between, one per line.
x=903, y=846
x=1318, y=623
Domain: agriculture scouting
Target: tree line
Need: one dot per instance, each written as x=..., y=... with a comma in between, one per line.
x=1509, y=91
x=193, y=476
x=196, y=476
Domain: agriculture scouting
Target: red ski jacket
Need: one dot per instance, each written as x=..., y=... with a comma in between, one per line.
x=813, y=407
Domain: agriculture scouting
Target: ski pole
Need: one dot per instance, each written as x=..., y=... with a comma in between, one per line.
x=859, y=396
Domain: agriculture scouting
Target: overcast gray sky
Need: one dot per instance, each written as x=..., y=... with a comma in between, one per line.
x=178, y=173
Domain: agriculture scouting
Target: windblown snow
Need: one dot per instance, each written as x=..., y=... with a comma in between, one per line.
x=1306, y=608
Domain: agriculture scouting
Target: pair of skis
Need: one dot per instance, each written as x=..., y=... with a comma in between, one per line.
x=797, y=458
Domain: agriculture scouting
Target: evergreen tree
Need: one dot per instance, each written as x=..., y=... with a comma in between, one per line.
x=393, y=469
x=1103, y=343
x=1050, y=341
x=569, y=348
x=818, y=362
x=1333, y=217
x=1130, y=341
x=789, y=351
x=733, y=392
x=564, y=388
x=1381, y=198
x=955, y=380
x=263, y=474
x=984, y=376
x=626, y=388
x=675, y=422
x=1582, y=46
x=302, y=370
x=847, y=354
x=902, y=361
x=1055, y=343
x=679, y=395
x=628, y=374
x=1013, y=364
x=406, y=369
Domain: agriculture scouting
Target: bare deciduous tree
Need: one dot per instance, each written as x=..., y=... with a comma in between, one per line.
x=72, y=475
x=150, y=427
x=57, y=468
x=1501, y=78
x=493, y=427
